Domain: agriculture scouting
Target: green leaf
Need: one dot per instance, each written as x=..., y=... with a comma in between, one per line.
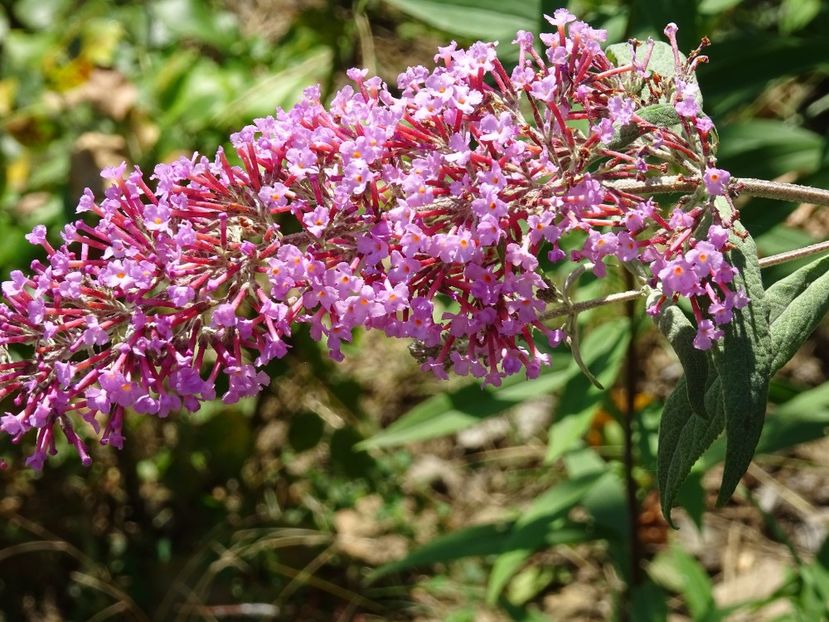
x=712, y=7
x=40, y=14
x=532, y=530
x=476, y=19
x=648, y=603
x=767, y=149
x=661, y=60
x=660, y=115
x=796, y=14
x=477, y=540
x=744, y=69
x=783, y=293
x=174, y=20
x=800, y=420
x=801, y=316
x=684, y=437
x=603, y=352
x=447, y=413
x=680, y=333
x=282, y=88
x=677, y=571
x=691, y=497
x=742, y=361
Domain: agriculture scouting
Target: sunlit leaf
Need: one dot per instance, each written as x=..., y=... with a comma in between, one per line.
x=530, y=531
x=800, y=317
x=603, y=352
x=476, y=19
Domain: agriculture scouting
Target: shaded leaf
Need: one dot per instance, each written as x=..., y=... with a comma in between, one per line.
x=454, y=411
x=796, y=14
x=800, y=420
x=660, y=115
x=742, y=361
x=744, y=69
x=473, y=541
x=648, y=603
x=684, y=437
x=799, y=319
x=768, y=149
x=680, y=333
x=451, y=412
x=784, y=292
x=676, y=570
x=531, y=531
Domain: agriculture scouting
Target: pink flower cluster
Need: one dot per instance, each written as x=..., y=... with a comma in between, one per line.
x=423, y=214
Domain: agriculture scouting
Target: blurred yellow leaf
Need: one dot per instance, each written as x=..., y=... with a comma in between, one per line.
x=17, y=171
x=100, y=40
x=8, y=91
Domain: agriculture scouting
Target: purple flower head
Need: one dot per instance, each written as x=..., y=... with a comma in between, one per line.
x=181, y=295
x=423, y=215
x=93, y=334
x=678, y=277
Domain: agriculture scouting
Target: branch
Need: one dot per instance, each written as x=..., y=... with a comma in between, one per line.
x=765, y=262
x=577, y=307
x=797, y=253
x=779, y=190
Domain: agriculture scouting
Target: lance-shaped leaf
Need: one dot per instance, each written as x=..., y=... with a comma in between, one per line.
x=680, y=333
x=604, y=351
x=478, y=540
x=684, y=437
x=530, y=532
x=782, y=293
x=743, y=363
x=799, y=302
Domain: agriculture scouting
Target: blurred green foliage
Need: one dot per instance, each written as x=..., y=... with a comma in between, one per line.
x=297, y=506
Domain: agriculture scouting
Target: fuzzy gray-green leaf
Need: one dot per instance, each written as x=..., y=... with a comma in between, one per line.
x=795, y=320
x=684, y=437
x=780, y=295
x=743, y=363
x=679, y=332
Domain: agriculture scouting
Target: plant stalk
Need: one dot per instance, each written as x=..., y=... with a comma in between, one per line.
x=633, y=294
x=794, y=193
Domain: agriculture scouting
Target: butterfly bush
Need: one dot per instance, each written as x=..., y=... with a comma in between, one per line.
x=424, y=215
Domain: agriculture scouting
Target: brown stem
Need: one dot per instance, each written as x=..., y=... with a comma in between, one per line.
x=782, y=191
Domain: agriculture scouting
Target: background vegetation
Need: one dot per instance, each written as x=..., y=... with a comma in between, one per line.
x=367, y=490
